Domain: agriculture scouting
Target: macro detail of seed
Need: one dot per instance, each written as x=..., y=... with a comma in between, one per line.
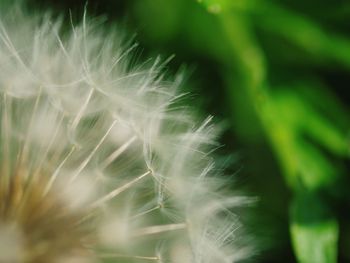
x=37, y=226
x=99, y=163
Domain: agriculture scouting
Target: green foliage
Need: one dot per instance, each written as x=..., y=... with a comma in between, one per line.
x=295, y=128
x=314, y=230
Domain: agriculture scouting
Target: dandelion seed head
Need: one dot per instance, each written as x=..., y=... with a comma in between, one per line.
x=37, y=228
x=97, y=162
x=11, y=242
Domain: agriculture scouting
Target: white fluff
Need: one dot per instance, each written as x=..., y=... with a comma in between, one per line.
x=107, y=134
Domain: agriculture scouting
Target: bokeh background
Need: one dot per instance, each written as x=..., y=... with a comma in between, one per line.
x=275, y=74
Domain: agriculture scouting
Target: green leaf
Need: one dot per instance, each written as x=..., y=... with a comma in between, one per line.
x=314, y=230
x=218, y=6
x=299, y=131
x=305, y=33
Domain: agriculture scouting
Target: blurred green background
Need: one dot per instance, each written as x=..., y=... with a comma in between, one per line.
x=276, y=73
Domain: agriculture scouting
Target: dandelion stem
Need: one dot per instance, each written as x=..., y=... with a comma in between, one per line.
x=146, y=212
x=119, y=190
x=81, y=111
x=86, y=161
x=159, y=229
x=154, y=258
x=24, y=151
x=6, y=139
x=56, y=172
x=46, y=151
x=118, y=152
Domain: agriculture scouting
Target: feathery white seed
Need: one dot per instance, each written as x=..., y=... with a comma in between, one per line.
x=96, y=163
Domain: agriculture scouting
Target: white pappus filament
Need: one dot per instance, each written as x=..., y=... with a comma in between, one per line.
x=97, y=162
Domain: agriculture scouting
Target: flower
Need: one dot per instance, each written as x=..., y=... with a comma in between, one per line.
x=98, y=160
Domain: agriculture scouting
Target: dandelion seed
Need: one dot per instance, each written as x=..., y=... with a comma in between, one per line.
x=96, y=162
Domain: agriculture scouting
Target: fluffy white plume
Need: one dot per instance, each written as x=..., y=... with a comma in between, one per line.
x=97, y=161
